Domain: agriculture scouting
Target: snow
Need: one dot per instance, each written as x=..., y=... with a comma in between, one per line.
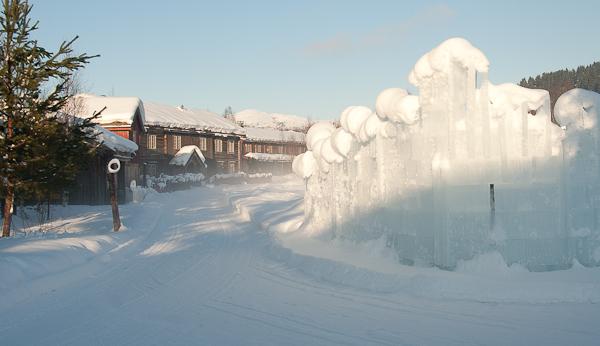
x=270, y=157
x=273, y=135
x=354, y=119
x=342, y=141
x=441, y=59
x=239, y=177
x=183, y=118
x=386, y=103
x=182, y=157
x=260, y=119
x=304, y=164
x=229, y=265
x=119, y=110
x=317, y=132
x=114, y=142
x=577, y=109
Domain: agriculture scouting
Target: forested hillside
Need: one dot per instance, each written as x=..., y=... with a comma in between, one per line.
x=557, y=82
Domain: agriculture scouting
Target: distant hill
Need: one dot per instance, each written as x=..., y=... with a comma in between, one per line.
x=260, y=119
x=557, y=82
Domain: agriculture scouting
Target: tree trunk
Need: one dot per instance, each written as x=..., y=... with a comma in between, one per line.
x=7, y=213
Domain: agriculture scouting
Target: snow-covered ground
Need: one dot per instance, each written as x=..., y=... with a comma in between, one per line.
x=225, y=265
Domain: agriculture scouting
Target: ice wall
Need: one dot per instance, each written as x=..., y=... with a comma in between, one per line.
x=463, y=168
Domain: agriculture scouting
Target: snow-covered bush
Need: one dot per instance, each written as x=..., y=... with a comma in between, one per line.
x=167, y=183
x=239, y=178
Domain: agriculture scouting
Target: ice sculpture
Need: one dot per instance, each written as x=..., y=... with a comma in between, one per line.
x=463, y=168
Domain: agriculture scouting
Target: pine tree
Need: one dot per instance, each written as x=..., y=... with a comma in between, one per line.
x=39, y=147
x=228, y=113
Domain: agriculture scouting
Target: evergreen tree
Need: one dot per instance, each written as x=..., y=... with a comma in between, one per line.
x=228, y=113
x=40, y=149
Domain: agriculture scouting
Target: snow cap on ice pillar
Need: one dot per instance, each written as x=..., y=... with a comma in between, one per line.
x=577, y=109
x=397, y=105
x=440, y=59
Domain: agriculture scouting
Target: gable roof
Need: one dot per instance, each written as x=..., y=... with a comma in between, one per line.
x=119, y=110
x=179, y=117
x=185, y=154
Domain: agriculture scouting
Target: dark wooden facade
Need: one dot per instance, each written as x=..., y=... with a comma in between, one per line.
x=91, y=186
x=160, y=144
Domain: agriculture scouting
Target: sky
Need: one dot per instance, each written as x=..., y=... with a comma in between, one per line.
x=311, y=58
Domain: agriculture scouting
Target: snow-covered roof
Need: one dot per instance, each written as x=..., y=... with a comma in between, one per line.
x=179, y=117
x=119, y=110
x=256, y=118
x=272, y=135
x=270, y=157
x=114, y=142
x=184, y=155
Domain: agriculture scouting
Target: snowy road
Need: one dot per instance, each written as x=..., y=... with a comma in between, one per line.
x=194, y=269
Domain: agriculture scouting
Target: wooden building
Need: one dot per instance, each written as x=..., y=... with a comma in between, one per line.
x=91, y=186
x=268, y=150
x=123, y=116
x=168, y=129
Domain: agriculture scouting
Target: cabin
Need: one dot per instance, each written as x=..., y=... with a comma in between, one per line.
x=169, y=129
x=267, y=150
x=123, y=116
x=91, y=186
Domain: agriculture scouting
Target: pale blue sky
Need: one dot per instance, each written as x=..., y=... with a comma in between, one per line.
x=310, y=58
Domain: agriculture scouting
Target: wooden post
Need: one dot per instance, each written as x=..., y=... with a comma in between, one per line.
x=492, y=207
x=112, y=183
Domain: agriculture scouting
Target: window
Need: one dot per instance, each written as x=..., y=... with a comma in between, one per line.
x=151, y=141
x=269, y=149
x=230, y=147
x=176, y=142
x=259, y=148
x=202, y=143
x=247, y=148
x=219, y=145
x=232, y=167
